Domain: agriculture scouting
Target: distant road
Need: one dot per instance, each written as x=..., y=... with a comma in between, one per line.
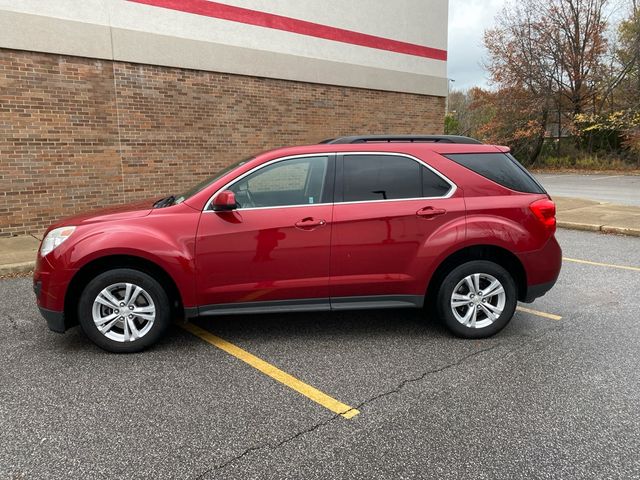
x=622, y=189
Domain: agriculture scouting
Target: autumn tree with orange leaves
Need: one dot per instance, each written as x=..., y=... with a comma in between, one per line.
x=550, y=62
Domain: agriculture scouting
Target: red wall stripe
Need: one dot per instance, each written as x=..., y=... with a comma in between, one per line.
x=302, y=27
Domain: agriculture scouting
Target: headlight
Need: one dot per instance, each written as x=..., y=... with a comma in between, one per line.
x=54, y=238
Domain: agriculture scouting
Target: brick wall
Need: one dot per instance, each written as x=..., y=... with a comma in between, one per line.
x=77, y=133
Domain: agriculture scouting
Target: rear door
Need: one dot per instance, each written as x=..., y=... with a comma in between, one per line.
x=388, y=210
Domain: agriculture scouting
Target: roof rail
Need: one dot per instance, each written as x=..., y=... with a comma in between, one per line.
x=401, y=138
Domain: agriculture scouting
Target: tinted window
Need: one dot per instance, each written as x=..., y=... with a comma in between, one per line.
x=501, y=168
x=380, y=177
x=433, y=185
x=290, y=182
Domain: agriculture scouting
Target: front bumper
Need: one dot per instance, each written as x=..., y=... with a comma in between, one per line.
x=50, y=282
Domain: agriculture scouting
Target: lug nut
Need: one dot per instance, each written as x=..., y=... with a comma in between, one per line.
x=122, y=304
x=117, y=311
x=130, y=307
x=130, y=316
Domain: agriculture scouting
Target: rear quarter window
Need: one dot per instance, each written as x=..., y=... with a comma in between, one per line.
x=501, y=168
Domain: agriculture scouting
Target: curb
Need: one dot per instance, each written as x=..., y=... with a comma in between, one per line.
x=12, y=268
x=634, y=232
x=590, y=227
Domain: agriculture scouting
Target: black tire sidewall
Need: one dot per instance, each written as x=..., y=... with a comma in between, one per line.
x=149, y=284
x=454, y=277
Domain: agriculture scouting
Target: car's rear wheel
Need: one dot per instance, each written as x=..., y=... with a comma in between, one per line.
x=124, y=310
x=477, y=299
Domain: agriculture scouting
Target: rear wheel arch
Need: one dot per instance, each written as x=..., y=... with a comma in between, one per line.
x=492, y=253
x=111, y=262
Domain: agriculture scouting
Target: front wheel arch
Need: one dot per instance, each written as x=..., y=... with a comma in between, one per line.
x=501, y=256
x=110, y=262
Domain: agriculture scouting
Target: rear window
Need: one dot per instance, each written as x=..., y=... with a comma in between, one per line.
x=501, y=168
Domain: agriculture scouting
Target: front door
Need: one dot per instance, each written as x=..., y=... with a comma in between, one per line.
x=273, y=250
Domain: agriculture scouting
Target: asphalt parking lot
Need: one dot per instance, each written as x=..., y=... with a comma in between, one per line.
x=546, y=398
x=607, y=187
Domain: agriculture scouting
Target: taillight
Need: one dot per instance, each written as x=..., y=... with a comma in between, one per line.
x=545, y=211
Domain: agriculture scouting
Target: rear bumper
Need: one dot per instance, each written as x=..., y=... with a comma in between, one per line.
x=542, y=269
x=535, y=291
x=55, y=320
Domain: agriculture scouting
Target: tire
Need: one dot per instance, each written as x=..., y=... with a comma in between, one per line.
x=122, y=324
x=493, y=308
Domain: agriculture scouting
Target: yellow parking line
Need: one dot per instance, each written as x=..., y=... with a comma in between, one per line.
x=550, y=316
x=598, y=264
x=274, y=372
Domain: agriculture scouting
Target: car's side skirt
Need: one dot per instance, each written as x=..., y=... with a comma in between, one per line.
x=309, y=305
x=377, y=301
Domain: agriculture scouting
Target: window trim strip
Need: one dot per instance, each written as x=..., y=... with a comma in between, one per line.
x=449, y=194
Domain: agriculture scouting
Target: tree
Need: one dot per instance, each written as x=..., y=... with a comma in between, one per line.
x=466, y=114
x=519, y=70
x=511, y=117
x=576, y=42
x=627, y=57
x=545, y=55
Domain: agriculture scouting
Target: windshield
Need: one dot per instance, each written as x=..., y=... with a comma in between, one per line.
x=205, y=183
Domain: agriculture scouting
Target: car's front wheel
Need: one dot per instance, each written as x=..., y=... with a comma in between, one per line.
x=477, y=299
x=124, y=310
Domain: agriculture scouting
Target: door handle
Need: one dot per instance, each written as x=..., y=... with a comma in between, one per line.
x=310, y=223
x=430, y=212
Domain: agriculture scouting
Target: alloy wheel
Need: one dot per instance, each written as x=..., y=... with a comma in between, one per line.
x=478, y=300
x=123, y=312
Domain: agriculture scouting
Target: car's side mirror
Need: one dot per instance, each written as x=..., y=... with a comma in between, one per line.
x=225, y=201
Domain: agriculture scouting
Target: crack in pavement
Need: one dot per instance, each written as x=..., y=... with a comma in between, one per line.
x=315, y=426
x=13, y=323
x=528, y=341
x=270, y=445
x=422, y=376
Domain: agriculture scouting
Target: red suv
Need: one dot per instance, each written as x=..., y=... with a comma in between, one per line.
x=352, y=223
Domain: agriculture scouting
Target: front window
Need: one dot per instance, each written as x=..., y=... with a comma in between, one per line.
x=297, y=181
x=205, y=183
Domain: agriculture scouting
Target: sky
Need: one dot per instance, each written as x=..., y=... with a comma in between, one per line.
x=467, y=21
